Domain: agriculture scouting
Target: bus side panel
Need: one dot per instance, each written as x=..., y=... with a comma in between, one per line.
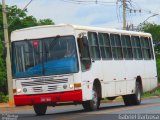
x=133, y=68
x=114, y=83
x=109, y=90
x=151, y=74
x=146, y=69
x=87, y=85
x=88, y=77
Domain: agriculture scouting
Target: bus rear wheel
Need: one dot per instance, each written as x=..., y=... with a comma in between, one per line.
x=40, y=109
x=134, y=99
x=94, y=103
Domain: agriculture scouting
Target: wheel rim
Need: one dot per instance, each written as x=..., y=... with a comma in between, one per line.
x=94, y=97
x=138, y=93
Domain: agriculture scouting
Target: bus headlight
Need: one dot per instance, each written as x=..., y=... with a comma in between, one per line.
x=24, y=90
x=71, y=86
x=19, y=90
x=64, y=86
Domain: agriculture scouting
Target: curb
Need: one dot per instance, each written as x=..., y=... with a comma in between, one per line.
x=4, y=105
x=118, y=99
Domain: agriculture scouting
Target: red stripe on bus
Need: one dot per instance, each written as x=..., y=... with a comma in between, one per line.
x=75, y=96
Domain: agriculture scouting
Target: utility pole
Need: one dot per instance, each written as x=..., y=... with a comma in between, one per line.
x=8, y=60
x=124, y=14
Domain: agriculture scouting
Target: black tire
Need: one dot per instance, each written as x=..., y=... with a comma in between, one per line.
x=127, y=100
x=93, y=104
x=134, y=99
x=40, y=109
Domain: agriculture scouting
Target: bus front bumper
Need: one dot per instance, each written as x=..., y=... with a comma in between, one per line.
x=75, y=96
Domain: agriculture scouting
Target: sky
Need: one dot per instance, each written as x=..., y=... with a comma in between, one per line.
x=100, y=14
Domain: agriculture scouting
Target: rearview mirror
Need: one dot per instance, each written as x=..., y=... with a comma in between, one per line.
x=85, y=41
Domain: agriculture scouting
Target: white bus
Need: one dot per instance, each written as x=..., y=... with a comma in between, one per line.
x=69, y=64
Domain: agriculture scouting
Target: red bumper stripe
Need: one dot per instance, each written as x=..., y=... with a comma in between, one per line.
x=75, y=96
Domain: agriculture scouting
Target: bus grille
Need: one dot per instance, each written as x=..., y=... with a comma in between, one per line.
x=44, y=81
x=52, y=88
x=37, y=89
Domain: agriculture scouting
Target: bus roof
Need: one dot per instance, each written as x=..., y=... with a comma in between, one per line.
x=110, y=30
x=85, y=28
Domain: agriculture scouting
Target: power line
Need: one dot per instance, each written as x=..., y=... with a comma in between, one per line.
x=25, y=7
x=89, y=2
x=133, y=8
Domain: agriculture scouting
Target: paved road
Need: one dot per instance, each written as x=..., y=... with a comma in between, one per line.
x=107, y=111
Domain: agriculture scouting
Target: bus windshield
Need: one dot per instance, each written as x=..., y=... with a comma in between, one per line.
x=47, y=56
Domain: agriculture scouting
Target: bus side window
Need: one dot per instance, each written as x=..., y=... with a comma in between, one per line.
x=127, y=47
x=145, y=48
x=93, y=45
x=105, y=46
x=84, y=53
x=136, y=46
x=83, y=45
x=116, y=46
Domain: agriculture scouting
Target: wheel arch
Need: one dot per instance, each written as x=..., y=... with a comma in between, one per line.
x=139, y=80
x=98, y=86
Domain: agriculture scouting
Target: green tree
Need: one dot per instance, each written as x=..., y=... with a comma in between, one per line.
x=154, y=29
x=45, y=22
x=2, y=66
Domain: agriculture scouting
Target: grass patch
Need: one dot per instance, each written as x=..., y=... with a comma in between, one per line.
x=156, y=92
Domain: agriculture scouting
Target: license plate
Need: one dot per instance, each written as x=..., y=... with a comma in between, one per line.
x=46, y=99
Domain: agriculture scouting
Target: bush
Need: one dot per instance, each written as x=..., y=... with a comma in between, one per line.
x=156, y=92
x=2, y=66
x=3, y=98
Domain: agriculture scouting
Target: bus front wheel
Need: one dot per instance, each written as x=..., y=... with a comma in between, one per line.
x=94, y=103
x=40, y=109
x=134, y=99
